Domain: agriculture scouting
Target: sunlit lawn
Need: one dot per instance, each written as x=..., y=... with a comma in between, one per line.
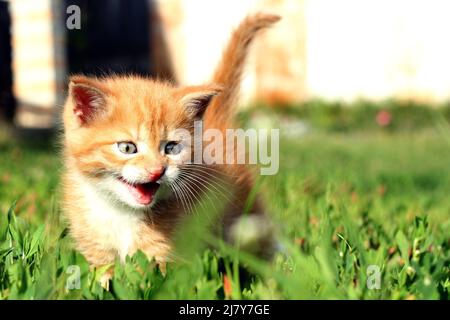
x=341, y=201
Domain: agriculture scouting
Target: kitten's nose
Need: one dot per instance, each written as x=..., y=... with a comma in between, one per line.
x=156, y=173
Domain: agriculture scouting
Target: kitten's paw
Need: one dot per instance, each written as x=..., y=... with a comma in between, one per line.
x=105, y=278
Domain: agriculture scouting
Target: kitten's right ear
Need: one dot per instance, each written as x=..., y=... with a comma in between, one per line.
x=88, y=99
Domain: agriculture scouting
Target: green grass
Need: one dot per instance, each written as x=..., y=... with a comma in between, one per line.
x=342, y=201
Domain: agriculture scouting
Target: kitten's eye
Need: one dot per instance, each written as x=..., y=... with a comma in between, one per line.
x=172, y=147
x=127, y=147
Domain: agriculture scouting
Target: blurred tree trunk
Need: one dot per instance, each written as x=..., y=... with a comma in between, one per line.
x=6, y=96
x=39, y=68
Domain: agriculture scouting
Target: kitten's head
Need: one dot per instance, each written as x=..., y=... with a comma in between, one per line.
x=128, y=135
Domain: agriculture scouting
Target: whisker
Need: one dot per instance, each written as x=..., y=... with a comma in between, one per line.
x=184, y=194
x=211, y=168
x=198, y=193
x=189, y=191
x=181, y=195
x=222, y=184
x=211, y=174
x=190, y=178
x=208, y=184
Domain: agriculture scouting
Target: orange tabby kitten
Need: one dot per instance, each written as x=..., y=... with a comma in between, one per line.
x=125, y=183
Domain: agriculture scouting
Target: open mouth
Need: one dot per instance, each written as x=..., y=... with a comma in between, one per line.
x=143, y=193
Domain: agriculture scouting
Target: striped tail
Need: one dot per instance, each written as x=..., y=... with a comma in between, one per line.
x=231, y=67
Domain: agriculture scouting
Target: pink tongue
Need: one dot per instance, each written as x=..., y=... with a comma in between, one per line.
x=143, y=193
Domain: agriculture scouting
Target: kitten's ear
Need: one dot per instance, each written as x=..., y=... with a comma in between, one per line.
x=88, y=98
x=196, y=99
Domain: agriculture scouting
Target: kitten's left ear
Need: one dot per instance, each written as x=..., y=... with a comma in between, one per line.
x=196, y=99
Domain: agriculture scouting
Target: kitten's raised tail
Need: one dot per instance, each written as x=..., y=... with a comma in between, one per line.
x=230, y=69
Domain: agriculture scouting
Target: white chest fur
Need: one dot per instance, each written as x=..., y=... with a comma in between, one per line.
x=115, y=227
